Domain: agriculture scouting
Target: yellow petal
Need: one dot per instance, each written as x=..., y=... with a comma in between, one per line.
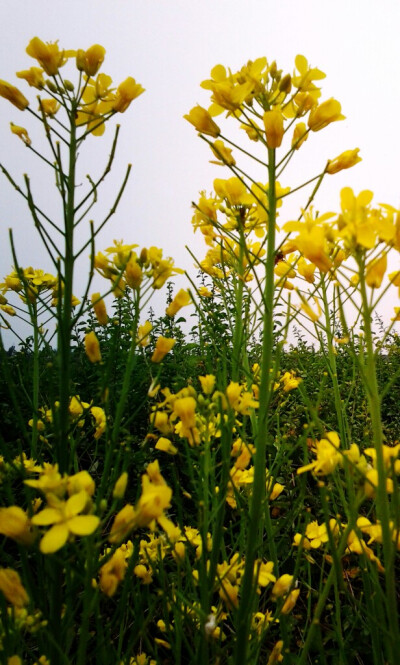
x=83, y=525
x=47, y=516
x=54, y=539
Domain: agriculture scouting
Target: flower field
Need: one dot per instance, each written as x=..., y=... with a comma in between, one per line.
x=218, y=483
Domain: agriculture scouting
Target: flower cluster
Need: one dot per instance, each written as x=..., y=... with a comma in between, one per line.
x=124, y=267
x=93, y=98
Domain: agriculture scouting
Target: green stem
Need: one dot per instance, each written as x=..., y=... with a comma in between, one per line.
x=257, y=506
x=382, y=500
x=65, y=312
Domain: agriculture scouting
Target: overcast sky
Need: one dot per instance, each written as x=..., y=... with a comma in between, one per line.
x=169, y=46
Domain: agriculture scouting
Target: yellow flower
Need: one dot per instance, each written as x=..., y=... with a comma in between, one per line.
x=33, y=76
x=81, y=481
x=133, y=273
x=163, y=346
x=181, y=299
x=290, y=601
x=324, y=114
x=91, y=60
x=48, y=55
x=276, y=654
x=21, y=132
x=66, y=521
x=222, y=153
x=345, y=160
x=15, y=524
x=100, y=420
x=273, y=123
x=48, y=106
x=202, y=121
x=113, y=572
x=207, y=383
x=92, y=347
x=123, y=524
x=99, y=309
x=204, y=292
x=166, y=446
x=127, y=91
x=300, y=134
x=120, y=486
x=12, y=587
x=328, y=455
x=143, y=333
x=14, y=660
x=281, y=586
x=13, y=95
x=375, y=271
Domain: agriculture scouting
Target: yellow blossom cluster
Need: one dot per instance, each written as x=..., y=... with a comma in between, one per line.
x=94, y=99
x=124, y=267
x=149, y=510
x=78, y=409
x=67, y=517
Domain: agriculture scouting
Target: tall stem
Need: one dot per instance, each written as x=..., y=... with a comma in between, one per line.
x=64, y=330
x=257, y=506
x=382, y=500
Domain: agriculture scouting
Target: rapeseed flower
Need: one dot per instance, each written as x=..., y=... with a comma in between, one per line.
x=92, y=347
x=163, y=346
x=12, y=587
x=13, y=95
x=65, y=521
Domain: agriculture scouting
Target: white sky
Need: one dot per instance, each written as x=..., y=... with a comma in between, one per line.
x=169, y=46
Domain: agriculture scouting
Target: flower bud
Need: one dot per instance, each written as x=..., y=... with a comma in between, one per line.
x=273, y=122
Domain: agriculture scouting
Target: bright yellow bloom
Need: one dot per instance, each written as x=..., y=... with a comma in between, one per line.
x=276, y=654
x=100, y=420
x=13, y=95
x=113, y=572
x=33, y=76
x=91, y=60
x=50, y=480
x=48, y=106
x=120, y=486
x=133, y=273
x=143, y=333
x=15, y=524
x=66, y=521
x=48, y=56
x=100, y=310
x=324, y=114
x=21, y=132
x=222, y=153
x=290, y=601
x=300, y=134
x=290, y=381
x=202, y=121
x=345, y=160
x=166, y=446
x=375, y=271
x=281, y=586
x=181, y=299
x=273, y=123
x=234, y=191
x=328, y=455
x=123, y=524
x=12, y=587
x=92, y=347
x=14, y=660
x=204, y=292
x=127, y=91
x=207, y=383
x=163, y=346
x=81, y=481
